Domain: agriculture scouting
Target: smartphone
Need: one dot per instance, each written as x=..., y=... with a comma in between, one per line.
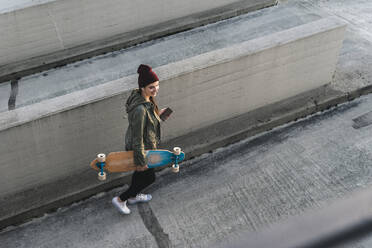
x=167, y=112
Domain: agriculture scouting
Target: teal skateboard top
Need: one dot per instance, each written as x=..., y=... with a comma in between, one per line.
x=156, y=158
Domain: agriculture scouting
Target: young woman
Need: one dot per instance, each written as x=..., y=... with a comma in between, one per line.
x=143, y=133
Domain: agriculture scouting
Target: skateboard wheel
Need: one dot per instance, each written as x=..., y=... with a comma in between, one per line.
x=101, y=157
x=175, y=169
x=101, y=176
x=177, y=150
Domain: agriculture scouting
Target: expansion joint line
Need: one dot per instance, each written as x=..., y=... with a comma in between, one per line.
x=13, y=94
x=153, y=226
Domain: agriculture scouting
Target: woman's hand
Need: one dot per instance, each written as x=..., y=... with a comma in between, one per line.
x=165, y=113
x=141, y=168
x=162, y=111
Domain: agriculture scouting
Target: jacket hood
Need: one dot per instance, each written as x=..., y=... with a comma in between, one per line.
x=134, y=100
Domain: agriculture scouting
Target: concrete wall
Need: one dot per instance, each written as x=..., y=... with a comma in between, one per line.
x=232, y=81
x=65, y=25
x=50, y=144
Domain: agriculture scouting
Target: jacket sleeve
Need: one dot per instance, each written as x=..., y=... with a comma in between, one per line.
x=138, y=128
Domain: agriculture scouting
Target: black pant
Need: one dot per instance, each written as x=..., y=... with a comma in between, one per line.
x=140, y=180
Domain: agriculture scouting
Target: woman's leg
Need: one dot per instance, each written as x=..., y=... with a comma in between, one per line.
x=140, y=180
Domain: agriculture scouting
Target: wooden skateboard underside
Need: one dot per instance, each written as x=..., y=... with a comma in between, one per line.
x=124, y=161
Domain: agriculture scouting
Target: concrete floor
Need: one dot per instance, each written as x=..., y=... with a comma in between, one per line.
x=244, y=187
x=218, y=196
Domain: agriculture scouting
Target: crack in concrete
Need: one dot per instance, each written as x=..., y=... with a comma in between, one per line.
x=153, y=226
x=55, y=27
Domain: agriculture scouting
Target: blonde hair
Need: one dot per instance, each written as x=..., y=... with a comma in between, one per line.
x=156, y=108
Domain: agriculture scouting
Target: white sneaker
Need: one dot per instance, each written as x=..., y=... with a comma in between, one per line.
x=121, y=205
x=140, y=198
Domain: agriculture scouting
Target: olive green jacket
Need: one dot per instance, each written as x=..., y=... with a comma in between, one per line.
x=143, y=132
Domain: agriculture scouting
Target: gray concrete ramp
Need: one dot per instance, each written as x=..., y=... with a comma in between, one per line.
x=222, y=195
x=242, y=188
x=116, y=65
x=62, y=118
x=43, y=34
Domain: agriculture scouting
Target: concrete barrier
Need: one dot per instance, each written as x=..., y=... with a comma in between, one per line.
x=49, y=144
x=48, y=33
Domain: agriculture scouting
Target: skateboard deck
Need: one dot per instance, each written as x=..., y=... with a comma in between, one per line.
x=124, y=161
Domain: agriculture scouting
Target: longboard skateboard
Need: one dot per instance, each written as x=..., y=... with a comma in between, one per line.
x=124, y=161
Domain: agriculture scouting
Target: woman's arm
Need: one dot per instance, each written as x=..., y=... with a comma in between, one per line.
x=138, y=126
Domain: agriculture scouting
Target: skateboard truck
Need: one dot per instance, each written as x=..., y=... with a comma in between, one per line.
x=175, y=166
x=101, y=158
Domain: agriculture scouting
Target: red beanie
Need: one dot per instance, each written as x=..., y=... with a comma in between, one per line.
x=146, y=76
